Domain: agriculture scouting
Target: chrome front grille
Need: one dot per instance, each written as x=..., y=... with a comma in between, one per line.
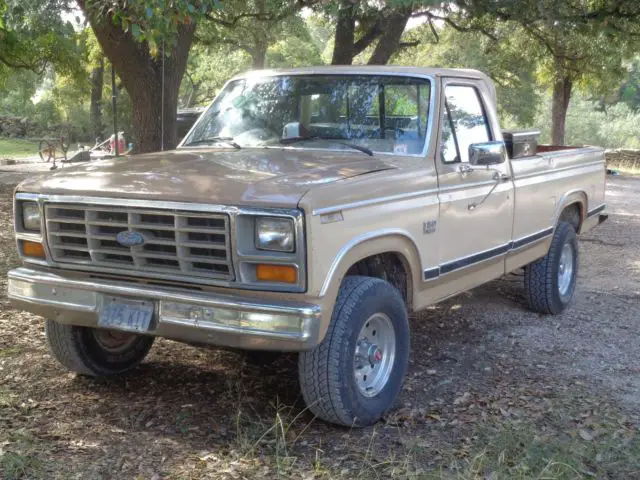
x=175, y=243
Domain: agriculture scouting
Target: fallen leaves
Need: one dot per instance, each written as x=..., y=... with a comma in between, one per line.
x=198, y=413
x=462, y=400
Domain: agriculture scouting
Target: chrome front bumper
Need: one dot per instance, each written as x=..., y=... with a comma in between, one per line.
x=193, y=317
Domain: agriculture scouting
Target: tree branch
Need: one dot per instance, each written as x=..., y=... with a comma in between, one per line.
x=265, y=17
x=433, y=29
x=541, y=38
x=367, y=39
x=456, y=26
x=37, y=66
x=413, y=43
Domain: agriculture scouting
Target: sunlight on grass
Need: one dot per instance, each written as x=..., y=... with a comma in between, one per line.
x=517, y=451
x=17, y=148
x=626, y=167
x=275, y=444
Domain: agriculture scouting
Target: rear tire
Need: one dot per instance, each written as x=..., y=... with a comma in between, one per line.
x=355, y=375
x=96, y=352
x=551, y=281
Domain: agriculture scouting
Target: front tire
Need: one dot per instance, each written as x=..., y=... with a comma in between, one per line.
x=355, y=375
x=96, y=352
x=551, y=281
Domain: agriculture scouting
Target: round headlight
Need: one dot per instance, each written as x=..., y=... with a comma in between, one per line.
x=31, y=216
x=275, y=234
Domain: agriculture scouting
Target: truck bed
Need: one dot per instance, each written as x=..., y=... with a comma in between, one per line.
x=540, y=179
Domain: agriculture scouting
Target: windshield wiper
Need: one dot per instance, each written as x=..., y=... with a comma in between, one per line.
x=355, y=146
x=227, y=140
x=288, y=140
x=361, y=148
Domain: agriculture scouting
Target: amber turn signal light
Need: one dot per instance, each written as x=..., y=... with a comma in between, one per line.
x=32, y=249
x=276, y=273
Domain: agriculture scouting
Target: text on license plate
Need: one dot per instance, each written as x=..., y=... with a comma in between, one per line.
x=125, y=314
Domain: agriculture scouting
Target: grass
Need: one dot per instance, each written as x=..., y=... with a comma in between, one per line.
x=511, y=451
x=563, y=444
x=16, y=148
x=522, y=452
x=625, y=167
x=19, y=457
x=16, y=466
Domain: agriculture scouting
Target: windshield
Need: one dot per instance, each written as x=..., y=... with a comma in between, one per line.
x=381, y=113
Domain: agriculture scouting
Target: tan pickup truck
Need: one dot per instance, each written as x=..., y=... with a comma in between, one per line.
x=307, y=210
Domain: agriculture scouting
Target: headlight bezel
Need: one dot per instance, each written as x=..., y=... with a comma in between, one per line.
x=275, y=234
x=23, y=234
x=247, y=256
x=32, y=224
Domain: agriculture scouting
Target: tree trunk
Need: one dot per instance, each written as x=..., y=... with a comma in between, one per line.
x=560, y=104
x=258, y=57
x=147, y=111
x=390, y=39
x=345, y=33
x=142, y=77
x=95, y=108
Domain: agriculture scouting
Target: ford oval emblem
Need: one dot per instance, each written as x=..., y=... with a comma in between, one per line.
x=130, y=239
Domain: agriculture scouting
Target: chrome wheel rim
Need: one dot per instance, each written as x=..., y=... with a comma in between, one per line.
x=113, y=341
x=374, y=355
x=565, y=269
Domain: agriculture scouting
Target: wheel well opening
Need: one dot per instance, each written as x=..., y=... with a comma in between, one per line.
x=573, y=215
x=390, y=267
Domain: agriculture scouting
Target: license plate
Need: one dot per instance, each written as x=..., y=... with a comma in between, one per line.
x=125, y=314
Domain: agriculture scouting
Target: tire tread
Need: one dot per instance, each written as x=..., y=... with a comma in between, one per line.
x=68, y=344
x=539, y=275
x=319, y=369
x=64, y=346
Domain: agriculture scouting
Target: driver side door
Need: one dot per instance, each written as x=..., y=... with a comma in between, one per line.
x=476, y=202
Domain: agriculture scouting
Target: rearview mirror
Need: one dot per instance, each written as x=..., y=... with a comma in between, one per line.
x=489, y=153
x=291, y=130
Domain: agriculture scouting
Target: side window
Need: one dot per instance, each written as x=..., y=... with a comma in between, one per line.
x=465, y=121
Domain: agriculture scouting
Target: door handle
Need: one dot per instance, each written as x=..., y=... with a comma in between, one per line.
x=465, y=168
x=501, y=177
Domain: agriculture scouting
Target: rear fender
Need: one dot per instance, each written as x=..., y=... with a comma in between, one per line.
x=577, y=196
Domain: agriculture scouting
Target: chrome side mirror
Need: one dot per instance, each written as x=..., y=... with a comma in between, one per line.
x=489, y=153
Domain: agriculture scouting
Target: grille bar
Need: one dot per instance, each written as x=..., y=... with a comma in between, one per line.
x=186, y=244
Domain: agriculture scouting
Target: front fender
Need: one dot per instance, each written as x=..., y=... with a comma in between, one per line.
x=371, y=243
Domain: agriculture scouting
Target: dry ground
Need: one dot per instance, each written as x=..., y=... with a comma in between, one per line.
x=493, y=391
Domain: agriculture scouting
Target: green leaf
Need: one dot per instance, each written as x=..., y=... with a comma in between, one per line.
x=149, y=12
x=135, y=30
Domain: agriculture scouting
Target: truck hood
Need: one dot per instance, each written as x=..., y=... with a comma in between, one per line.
x=273, y=177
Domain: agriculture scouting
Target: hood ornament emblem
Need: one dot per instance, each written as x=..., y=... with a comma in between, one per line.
x=128, y=238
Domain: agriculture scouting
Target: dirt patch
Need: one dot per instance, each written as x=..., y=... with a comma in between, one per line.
x=493, y=391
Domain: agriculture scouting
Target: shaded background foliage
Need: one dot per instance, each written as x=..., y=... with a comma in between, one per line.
x=555, y=64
